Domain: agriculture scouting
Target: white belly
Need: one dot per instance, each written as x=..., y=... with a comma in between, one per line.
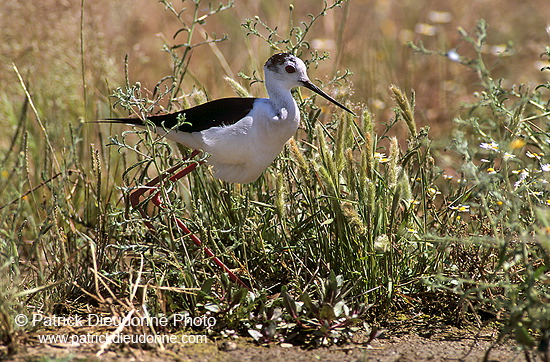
x=242, y=151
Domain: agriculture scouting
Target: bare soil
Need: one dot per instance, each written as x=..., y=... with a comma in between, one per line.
x=429, y=343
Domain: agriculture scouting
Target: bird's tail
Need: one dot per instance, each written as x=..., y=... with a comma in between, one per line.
x=167, y=121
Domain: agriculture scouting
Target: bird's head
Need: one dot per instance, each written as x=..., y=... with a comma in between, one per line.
x=288, y=71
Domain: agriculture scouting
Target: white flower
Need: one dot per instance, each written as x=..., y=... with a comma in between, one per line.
x=381, y=157
x=507, y=156
x=493, y=146
x=433, y=191
x=460, y=208
x=522, y=176
x=425, y=29
x=440, y=17
x=532, y=155
x=453, y=56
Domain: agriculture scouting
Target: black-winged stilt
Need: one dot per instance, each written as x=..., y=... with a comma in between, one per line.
x=242, y=135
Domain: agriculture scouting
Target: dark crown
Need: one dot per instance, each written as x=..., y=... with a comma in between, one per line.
x=275, y=60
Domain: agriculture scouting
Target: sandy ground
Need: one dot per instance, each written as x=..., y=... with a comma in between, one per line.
x=436, y=344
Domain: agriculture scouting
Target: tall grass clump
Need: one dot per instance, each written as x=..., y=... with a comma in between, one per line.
x=52, y=201
x=498, y=212
x=334, y=222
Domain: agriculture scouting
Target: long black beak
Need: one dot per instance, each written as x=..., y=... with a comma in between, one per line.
x=313, y=87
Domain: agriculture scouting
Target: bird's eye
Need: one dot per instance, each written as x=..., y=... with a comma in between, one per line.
x=290, y=69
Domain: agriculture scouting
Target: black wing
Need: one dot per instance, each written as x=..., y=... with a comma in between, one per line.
x=224, y=111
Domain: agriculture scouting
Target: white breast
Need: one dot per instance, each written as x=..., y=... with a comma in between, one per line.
x=242, y=151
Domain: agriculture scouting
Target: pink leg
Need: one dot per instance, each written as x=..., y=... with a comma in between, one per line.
x=151, y=186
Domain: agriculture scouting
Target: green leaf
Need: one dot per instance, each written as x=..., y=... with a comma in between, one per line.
x=309, y=304
x=290, y=304
x=327, y=312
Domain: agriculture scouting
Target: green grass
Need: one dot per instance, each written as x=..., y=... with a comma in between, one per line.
x=350, y=222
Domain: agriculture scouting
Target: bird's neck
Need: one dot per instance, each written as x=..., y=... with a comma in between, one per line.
x=283, y=103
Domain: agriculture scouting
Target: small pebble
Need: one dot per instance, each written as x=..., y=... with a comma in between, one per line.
x=228, y=346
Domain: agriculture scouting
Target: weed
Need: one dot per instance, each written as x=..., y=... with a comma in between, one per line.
x=502, y=144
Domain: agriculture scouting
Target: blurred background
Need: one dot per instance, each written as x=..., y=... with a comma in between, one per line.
x=43, y=39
